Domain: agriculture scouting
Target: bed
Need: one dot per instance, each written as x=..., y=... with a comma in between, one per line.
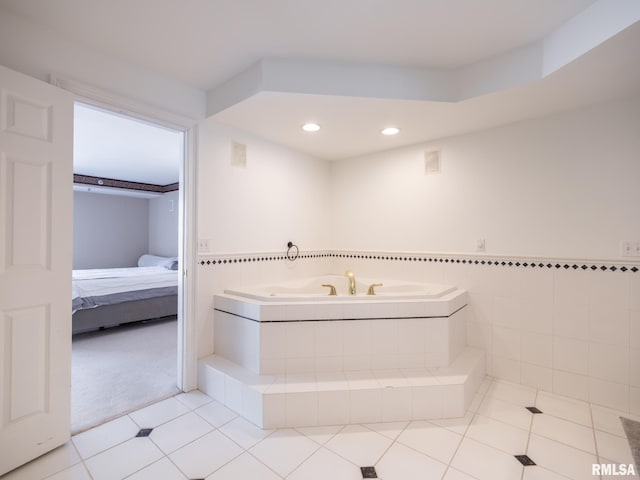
x=113, y=296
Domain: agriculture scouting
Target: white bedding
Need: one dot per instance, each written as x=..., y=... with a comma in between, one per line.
x=99, y=283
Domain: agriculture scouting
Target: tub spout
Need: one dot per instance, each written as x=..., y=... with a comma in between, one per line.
x=352, y=281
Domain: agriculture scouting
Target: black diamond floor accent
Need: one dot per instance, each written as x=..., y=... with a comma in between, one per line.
x=525, y=460
x=534, y=409
x=368, y=472
x=145, y=432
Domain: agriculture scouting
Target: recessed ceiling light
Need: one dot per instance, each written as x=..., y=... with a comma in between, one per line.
x=311, y=127
x=390, y=131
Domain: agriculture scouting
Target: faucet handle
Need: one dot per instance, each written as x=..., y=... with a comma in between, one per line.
x=332, y=289
x=371, y=290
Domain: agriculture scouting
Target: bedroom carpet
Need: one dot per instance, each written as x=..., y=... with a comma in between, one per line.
x=117, y=370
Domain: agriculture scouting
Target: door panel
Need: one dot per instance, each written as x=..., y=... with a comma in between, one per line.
x=28, y=237
x=36, y=172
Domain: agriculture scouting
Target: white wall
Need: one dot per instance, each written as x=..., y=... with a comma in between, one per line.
x=252, y=213
x=281, y=195
x=39, y=52
x=561, y=186
x=163, y=225
x=109, y=231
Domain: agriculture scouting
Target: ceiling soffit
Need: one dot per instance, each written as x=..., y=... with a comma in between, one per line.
x=590, y=28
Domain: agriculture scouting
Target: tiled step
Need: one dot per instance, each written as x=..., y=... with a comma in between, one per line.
x=340, y=398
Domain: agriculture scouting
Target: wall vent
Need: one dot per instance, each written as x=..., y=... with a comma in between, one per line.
x=432, y=162
x=238, y=155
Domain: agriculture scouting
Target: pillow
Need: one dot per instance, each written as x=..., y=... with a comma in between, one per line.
x=147, y=260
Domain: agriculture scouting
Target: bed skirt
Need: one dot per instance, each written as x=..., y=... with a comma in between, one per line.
x=125, y=312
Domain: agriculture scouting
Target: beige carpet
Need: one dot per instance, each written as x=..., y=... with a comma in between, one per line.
x=117, y=370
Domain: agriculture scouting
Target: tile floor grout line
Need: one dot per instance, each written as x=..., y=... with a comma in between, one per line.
x=165, y=422
x=111, y=446
x=86, y=468
x=466, y=430
x=595, y=441
x=222, y=424
x=174, y=464
x=321, y=446
x=319, y=426
x=221, y=466
x=273, y=432
x=340, y=455
x=526, y=447
x=574, y=400
x=51, y=474
x=394, y=441
x=182, y=446
x=305, y=458
x=271, y=469
x=167, y=455
x=147, y=465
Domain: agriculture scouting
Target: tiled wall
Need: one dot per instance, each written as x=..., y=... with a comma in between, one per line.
x=568, y=327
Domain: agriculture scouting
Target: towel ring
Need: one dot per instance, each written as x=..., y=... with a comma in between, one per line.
x=291, y=256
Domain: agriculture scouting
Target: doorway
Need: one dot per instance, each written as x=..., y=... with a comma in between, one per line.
x=128, y=226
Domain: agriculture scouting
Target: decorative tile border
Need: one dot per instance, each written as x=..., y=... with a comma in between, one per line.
x=252, y=258
x=557, y=264
x=504, y=262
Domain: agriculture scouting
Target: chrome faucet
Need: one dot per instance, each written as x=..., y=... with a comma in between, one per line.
x=352, y=281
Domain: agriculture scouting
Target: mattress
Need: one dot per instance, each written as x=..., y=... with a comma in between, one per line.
x=97, y=287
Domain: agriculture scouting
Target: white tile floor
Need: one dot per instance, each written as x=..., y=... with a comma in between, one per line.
x=195, y=437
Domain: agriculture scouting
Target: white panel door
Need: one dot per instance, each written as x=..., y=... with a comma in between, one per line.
x=36, y=172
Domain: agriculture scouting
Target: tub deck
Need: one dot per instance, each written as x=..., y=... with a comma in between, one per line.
x=339, y=398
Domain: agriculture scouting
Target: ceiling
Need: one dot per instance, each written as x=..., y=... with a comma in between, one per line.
x=206, y=42
x=351, y=125
x=436, y=67
x=110, y=145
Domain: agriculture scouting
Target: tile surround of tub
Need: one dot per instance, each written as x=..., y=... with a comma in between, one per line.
x=279, y=348
x=364, y=396
x=576, y=325
x=563, y=301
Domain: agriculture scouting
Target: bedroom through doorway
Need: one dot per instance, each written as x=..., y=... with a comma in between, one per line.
x=126, y=263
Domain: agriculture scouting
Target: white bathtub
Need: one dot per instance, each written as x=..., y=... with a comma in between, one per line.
x=297, y=327
x=306, y=299
x=296, y=330
x=311, y=290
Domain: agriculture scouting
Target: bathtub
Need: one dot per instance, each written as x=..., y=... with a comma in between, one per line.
x=288, y=354
x=297, y=327
x=311, y=290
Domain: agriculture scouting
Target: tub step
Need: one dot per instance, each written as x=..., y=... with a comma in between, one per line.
x=338, y=398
